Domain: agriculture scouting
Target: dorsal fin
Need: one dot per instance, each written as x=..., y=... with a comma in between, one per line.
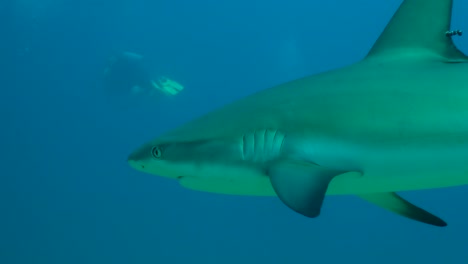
x=418, y=29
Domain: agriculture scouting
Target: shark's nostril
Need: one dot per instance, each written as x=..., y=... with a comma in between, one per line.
x=136, y=164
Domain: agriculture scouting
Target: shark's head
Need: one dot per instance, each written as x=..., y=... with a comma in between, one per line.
x=177, y=159
x=152, y=158
x=209, y=158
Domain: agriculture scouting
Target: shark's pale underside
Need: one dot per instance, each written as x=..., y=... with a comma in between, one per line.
x=395, y=121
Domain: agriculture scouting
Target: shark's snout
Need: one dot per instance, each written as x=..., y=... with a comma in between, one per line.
x=136, y=164
x=136, y=158
x=149, y=158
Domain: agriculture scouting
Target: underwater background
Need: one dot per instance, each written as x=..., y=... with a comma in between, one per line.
x=67, y=194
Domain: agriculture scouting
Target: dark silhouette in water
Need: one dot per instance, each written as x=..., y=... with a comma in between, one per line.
x=129, y=78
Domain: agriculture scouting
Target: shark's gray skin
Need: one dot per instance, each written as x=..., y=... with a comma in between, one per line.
x=395, y=121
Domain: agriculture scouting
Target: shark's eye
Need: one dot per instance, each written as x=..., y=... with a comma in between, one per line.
x=156, y=152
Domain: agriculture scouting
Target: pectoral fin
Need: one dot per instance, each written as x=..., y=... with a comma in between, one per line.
x=301, y=186
x=393, y=202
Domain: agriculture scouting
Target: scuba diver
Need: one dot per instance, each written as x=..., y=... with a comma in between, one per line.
x=127, y=76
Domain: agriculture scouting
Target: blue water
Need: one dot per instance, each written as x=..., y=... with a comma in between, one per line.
x=67, y=194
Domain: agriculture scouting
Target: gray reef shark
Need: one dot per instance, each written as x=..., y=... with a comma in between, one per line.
x=395, y=121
